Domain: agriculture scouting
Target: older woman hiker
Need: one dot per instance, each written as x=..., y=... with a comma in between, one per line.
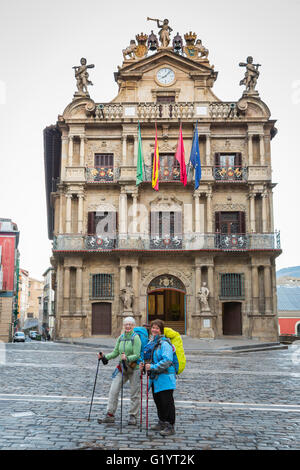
x=128, y=348
x=158, y=357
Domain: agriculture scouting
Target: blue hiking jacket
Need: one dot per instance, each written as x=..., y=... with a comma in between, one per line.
x=162, y=372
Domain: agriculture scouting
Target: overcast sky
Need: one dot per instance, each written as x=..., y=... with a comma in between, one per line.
x=40, y=41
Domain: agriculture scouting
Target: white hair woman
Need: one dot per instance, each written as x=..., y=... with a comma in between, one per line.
x=128, y=349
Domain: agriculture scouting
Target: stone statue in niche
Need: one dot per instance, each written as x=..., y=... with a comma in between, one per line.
x=203, y=298
x=127, y=296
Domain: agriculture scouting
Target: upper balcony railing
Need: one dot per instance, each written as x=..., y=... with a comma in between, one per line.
x=192, y=241
x=230, y=173
x=153, y=111
x=169, y=173
x=103, y=174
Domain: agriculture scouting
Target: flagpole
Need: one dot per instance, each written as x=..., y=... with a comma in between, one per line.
x=189, y=164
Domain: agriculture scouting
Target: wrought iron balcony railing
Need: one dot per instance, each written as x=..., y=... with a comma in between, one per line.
x=169, y=173
x=103, y=174
x=191, y=241
x=230, y=173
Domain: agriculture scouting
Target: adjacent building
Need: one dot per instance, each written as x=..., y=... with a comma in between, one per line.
x=200, y=258
x=48, y=320
x=9, y=278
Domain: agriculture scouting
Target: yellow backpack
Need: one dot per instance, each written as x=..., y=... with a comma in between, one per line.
x=176, y=340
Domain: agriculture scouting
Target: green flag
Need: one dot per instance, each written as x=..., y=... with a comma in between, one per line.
x=140, y=161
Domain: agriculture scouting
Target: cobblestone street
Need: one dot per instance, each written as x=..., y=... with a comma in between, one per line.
x=233, y=401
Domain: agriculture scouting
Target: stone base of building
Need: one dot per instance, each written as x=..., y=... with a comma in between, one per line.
x=6, y=307
x=264, y=327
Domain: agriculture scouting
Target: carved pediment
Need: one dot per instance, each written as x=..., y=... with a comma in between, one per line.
x=135, y=70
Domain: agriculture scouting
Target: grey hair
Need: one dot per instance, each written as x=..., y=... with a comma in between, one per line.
x=129, y=320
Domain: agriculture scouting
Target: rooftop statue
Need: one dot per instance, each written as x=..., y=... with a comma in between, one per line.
x=164, y=33
x=82, y=76
x=251, y=75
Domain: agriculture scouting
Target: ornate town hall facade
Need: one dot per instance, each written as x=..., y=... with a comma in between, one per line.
x=203, y=260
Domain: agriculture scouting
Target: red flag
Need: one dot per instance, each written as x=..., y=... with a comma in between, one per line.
x=180, y=158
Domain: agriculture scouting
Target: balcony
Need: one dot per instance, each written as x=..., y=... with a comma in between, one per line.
x=185, y=242
x=156, y=111
x=167, y=173
x=103, y=174
x=230, y=173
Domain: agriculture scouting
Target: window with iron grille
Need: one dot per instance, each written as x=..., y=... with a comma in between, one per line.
x=104, y=159
x=232, y=286
x=101, y=286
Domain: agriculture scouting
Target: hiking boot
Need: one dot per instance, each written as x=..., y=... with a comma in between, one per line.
x=108, y=419
x=132, y=420
x=168, y=430
x=158, y=426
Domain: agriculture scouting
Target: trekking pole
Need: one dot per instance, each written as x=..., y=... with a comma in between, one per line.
x=141, y=411
x=147, y=400
x=94, y=388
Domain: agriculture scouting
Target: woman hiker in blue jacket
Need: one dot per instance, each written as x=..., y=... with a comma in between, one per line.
x=162, y=378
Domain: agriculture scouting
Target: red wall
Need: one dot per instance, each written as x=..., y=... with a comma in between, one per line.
x=288, y=325
x=8, y=261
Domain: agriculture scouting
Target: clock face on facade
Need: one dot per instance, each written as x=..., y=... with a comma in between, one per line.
x=165, y=76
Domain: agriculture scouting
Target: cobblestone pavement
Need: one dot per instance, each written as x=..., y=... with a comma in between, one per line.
x=238, y=401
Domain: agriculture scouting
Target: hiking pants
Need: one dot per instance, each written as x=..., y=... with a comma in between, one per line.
x=135, y=391
x=164, y=402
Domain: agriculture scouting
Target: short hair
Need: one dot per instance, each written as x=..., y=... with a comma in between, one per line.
x=129, y=320
x=158, y=323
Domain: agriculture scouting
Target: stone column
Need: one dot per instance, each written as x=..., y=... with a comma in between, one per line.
x=268, y=290
x=80, y=213
x=262, y=149
x=252, y=212
x=264, y=211
x=134, y=214
x=70, y=162
x=79, y=291
x=197, y=213
x=250, y=150
x=66, y=290
x=209, y=214
x=82, y=139
x=64, y=155
x=122, y=277
x=271, y=211
x=123, y=213
x=210, y=279
x=60, y=225
x=68, y=213
x=124, y=149
x=197, y=288
x=135, y=285
x=207, y=144
x=255, y=291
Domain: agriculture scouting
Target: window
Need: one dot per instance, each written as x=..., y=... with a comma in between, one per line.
x=230, y=222
x=101, y=286
x=166, y=229
x=102, y=223
x=232, y=286
x=104, y=160
x=169, y=167
x=165, y=99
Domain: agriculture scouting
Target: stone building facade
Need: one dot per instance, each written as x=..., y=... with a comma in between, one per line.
x=203, y=260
